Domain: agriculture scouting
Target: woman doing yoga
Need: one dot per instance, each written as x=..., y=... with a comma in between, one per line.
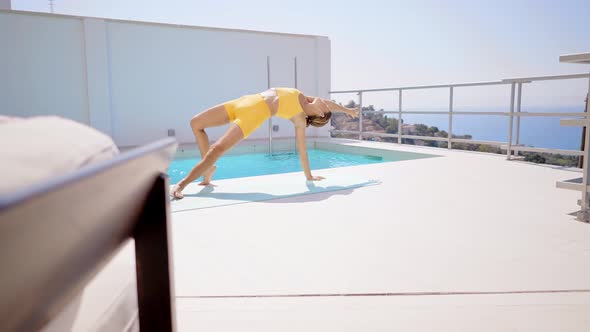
x=249, y=112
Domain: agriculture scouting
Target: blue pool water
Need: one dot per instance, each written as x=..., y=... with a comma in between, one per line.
x=242, y=165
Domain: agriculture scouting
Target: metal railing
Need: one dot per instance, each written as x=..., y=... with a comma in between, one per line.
x=511, y=145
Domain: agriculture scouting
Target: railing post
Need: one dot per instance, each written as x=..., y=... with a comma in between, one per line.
x=399, y=117
x=518, y=101
x=583, y=214
x=450, y=133
x=270, y=118
x=360, y=115
x=583, y=146
x=511, y=118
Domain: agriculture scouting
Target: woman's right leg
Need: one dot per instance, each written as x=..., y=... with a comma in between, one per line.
x=213, y=117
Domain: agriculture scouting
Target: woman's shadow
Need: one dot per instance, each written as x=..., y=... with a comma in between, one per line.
x=315, y=192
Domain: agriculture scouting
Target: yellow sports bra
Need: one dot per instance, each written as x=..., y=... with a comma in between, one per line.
x=289, y=105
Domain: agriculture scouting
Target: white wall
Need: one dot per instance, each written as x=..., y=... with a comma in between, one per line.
x=5, y=4
x=42, y=69
x=135, y=80
x=98, y=74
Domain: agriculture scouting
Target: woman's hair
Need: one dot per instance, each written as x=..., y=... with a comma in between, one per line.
x=318, y=121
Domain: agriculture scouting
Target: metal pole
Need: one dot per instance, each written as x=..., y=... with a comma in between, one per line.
x=295, y=68
x=584, y=204
x=270, y=118
x=295, y=81
x=583, y=141
x=518, y=102
x=360, y=115
x=583, y=215
x=399, y=118
x=450, y=118
x=511, y=118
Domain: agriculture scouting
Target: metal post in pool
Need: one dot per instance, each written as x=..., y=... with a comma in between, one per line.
x=295, y=69
x=295, y=81
x=270, y=118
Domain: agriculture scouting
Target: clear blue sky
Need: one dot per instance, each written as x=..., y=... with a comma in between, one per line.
x=378, y=43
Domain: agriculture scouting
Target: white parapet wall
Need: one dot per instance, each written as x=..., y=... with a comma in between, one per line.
x=5, y=4
x=136, y=80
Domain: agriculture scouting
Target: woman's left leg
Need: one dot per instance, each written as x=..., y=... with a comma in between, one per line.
x=231, y=137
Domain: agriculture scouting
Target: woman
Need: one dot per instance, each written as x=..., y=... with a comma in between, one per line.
x=249, y=112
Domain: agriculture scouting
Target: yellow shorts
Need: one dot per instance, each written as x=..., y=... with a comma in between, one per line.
x=248, y=112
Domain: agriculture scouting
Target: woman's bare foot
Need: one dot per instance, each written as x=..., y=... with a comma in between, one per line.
x=176, y=192
x=207, y=176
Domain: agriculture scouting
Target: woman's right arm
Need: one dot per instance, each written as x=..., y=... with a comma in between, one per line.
x=302, y=151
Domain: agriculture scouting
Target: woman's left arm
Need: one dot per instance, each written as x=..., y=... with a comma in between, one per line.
x=354, y=112
x=302, y=149
x=327, y=104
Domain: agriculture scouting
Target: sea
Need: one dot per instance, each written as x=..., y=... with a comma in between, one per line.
x=542, y=132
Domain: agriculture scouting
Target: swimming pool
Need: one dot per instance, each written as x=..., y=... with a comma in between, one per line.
x=252, y=164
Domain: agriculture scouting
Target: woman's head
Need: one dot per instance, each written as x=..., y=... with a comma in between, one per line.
x=316, y=111
x=318, y=121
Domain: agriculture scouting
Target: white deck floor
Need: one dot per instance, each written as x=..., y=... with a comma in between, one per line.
x=461, y=223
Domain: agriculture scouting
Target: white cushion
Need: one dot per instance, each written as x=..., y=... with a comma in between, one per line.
x=108, y=302
x=37, y=148
x=34, y=149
